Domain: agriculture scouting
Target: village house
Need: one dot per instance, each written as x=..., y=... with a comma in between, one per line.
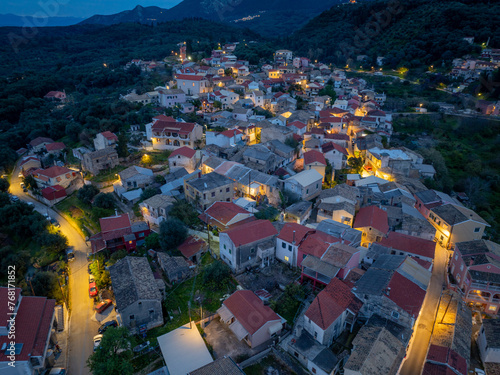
x=34, y=338
x=133, y=177
x=209, y=188
x=175, y=268
x=332, y=311
x=394, y=287
x=193, y=84
x=288, y=241
x=55, y=148
x=404, y=244
x=224, y=215
x=55, y=175
x=155, y=209
x=193, y=248
x=118, y=232
x=488, y=341
x=171, y=98
x=315, y=160
x=169, y=134
x=378, y=349
x=227, y=138
x=247, y=245
x=336, y=262
x=183, y=157
x=97, y=161
x=305, y=185
x=476, y=271
x=372, y=221
x=138, y=298
x=239, y=313
x=38, y=144
x=104, y=140
x=456, y=224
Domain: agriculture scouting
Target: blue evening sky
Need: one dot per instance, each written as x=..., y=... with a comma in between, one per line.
x=76, y=8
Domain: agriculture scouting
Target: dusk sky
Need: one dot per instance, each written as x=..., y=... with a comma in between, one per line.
x=76, y=8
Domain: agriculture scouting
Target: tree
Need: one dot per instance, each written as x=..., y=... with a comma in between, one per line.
x=104, y=200
x=356, y=163
x=121, y=145
x=87, y=193
x=4, y=185
x=113, y=357
x=172, y=233
x=217, y=275
x=30, y=182
x=148, y=193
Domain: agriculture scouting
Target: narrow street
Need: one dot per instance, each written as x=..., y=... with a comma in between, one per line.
x=417, y=352
x=81, y=328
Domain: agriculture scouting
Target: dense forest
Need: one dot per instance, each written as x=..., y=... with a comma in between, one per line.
x=407, y=33
x=87, y=62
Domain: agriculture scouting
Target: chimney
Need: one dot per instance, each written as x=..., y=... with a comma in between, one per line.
x=293, y=239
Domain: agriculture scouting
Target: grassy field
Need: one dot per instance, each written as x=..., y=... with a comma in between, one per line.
x=87, y=217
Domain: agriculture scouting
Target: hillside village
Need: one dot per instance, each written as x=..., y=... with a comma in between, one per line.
x=333, y=257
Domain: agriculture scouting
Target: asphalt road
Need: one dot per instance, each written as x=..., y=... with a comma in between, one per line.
x=417, y=352
x=83, y=326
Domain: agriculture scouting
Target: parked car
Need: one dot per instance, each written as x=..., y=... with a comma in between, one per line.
x=101, y=306
x=106, y=325
x=92, y=289
x=97, y=341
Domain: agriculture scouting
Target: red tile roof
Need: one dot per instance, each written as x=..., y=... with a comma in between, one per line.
x=53, y=171
x=317, y=243
x=410, y=244
x=173, y=127
x=191, y=246
x=314, y=156
x=448, y=357
x=372, y=216
x=109, y=136
x=56, y=146
x=231, y=133
x=301, y=231
x=224, y=212
x=189, y=77
x=249, y=310
x=4, y=307
x=33, y=325
x=331, y=302
x=254, y=231
x=113, y=223
x=406, y=294
x=183, y=151
x=297, y=124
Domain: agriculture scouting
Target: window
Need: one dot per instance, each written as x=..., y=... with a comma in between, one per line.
x=283, y=245
x=476, y=230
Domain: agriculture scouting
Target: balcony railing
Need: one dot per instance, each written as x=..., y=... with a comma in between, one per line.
x=481, y=286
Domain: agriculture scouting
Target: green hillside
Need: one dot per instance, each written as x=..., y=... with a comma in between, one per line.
x=410, y=33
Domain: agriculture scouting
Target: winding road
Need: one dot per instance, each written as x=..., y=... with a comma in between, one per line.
x=83, y=326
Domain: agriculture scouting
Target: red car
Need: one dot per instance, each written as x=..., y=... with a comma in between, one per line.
x=101, y=306
x=92, y=290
